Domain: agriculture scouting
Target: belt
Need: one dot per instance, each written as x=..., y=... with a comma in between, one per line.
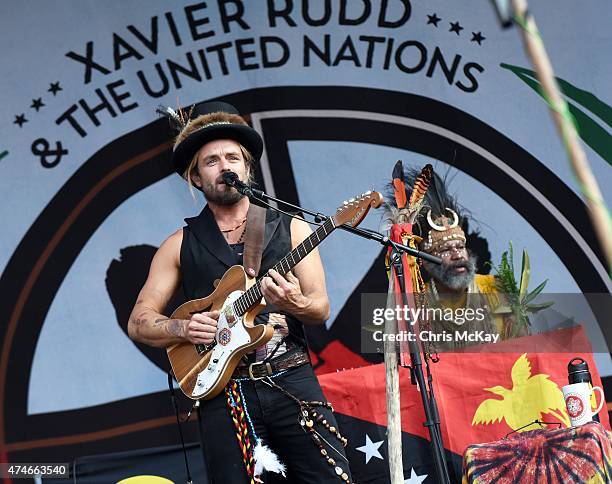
x=261, y=369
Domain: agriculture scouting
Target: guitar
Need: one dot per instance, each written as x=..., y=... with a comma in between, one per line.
x=202, y=371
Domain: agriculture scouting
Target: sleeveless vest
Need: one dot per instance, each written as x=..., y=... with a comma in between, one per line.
x=206, y=256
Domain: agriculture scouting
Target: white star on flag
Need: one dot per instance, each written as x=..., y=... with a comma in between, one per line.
x=414, y=478
x=370, y=449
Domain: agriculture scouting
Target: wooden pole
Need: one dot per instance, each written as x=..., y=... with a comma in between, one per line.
x=394, y=420
x=598, y=212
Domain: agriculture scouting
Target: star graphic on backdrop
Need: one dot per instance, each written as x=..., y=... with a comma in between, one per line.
x=20, y=119
x=370, y=449
x=54, y=88
x=37, y=104
x=415, y=478
x=477, y=37
x=433, y=19
x=455, y=27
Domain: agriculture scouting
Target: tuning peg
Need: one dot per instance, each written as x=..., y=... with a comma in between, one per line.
x=369, y=192
x=344, y=202
x=351, y=200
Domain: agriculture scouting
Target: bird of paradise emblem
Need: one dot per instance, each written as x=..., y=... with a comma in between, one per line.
x=529, y=399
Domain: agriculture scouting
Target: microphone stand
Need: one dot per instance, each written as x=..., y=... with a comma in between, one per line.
x=432, y=416
x=259, y=197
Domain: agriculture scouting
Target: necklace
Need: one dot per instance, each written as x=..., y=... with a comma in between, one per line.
x=235, y=228
x=241, y=239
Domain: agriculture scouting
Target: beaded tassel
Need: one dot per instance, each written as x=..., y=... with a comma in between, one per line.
x=308, y=417
x=264, y=458
x=242, y=432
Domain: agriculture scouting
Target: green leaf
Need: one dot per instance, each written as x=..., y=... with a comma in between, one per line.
x=534, y=308
x=589, y=130
x=533, y=294
x=525, y=270
x=501, y=309
x=505, y=273
x=586, y=99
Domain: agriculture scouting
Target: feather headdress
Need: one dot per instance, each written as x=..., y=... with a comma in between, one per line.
x=429, y=203
x=402, y=208
x=437, y=198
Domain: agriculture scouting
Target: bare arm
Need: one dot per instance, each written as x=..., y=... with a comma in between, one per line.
x=303, y=292
x=147, y=324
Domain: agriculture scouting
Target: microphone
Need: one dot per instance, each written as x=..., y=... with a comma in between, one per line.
x=231, y=179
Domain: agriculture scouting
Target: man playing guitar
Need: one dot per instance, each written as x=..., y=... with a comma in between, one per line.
x=214, y=140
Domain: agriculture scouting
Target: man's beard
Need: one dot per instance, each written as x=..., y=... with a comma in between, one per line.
x=444, y=274
x=221, y=194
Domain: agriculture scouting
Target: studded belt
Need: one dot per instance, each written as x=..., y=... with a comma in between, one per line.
x=261, y=369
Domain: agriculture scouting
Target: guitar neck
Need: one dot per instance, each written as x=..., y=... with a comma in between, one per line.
x=253, y=295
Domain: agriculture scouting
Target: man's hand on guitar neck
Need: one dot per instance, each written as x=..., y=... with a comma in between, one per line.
x=285, y=292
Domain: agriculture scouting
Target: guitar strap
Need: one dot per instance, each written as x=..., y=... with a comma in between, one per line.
x=254, y=238
x=251, y=258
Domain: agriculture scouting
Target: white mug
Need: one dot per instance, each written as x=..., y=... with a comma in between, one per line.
x=577, y=398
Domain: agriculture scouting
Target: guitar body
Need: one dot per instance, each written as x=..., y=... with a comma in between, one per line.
x=202, y=372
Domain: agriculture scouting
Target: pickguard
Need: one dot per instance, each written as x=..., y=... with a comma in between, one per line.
x=231, y=335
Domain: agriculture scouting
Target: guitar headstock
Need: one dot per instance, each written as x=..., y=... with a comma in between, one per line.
x=353, y=211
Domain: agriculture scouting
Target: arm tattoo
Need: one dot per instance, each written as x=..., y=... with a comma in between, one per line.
x=173, y=327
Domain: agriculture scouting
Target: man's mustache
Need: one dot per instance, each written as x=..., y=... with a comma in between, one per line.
x=459, y=263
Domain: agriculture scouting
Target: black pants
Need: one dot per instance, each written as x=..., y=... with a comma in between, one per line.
x=275, y=419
